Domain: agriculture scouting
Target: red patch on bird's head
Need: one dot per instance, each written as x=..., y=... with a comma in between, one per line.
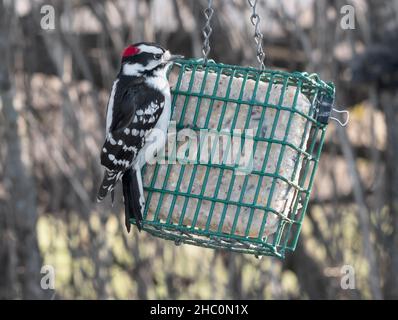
x=130, y=51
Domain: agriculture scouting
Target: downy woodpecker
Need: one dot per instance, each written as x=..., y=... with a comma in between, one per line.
x=138, y=115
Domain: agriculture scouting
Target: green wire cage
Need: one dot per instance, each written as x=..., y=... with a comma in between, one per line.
x=275, y=120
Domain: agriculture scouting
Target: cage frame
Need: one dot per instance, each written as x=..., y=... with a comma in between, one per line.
x=310, y=85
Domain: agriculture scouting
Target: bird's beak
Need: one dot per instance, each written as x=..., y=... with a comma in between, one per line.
x=175, y=57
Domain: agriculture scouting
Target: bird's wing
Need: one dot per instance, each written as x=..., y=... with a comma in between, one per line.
x=136, y=110
x=126, y=98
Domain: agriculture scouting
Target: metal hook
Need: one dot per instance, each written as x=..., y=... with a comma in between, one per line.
x=343, y=124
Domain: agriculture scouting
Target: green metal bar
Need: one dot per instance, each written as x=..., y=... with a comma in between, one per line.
x=267, y=152
x=218, y=183
x=306, y=162
x=182, y=171
x=258, y=173
x=266, y=99
x=309, y=85
x=254, y=103
x=277, y=238
x=156, y=170
x=222, y=201
x=294, y=207
x=303, y=179
x=191, y=81
x=310, y=80
x=199, y=204
x=247, y=122
x=259, y=139
x=232, y=182
x=305, y=204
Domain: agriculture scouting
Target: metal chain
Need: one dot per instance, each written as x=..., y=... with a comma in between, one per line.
x=258, y=36
x=207, y=30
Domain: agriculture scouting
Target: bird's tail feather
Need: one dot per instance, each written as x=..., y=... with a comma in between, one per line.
x=134, y=201
x=108, y=184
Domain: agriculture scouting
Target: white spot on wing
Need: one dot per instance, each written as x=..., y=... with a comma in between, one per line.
x=151, y=119
x=132, y=148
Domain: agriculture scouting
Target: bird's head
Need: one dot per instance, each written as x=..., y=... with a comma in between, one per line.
x=146, y=58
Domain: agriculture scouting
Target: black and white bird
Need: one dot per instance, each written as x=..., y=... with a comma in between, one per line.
x=138, y=114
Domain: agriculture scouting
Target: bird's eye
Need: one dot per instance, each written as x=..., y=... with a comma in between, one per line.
x=157, y=56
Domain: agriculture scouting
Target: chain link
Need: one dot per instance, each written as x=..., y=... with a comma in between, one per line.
x=258, y=36
x=207, y=30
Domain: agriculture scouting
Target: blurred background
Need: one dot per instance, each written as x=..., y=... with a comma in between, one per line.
x=54, y=86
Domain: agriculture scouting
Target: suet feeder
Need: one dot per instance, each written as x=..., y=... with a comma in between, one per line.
x=250, y=194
